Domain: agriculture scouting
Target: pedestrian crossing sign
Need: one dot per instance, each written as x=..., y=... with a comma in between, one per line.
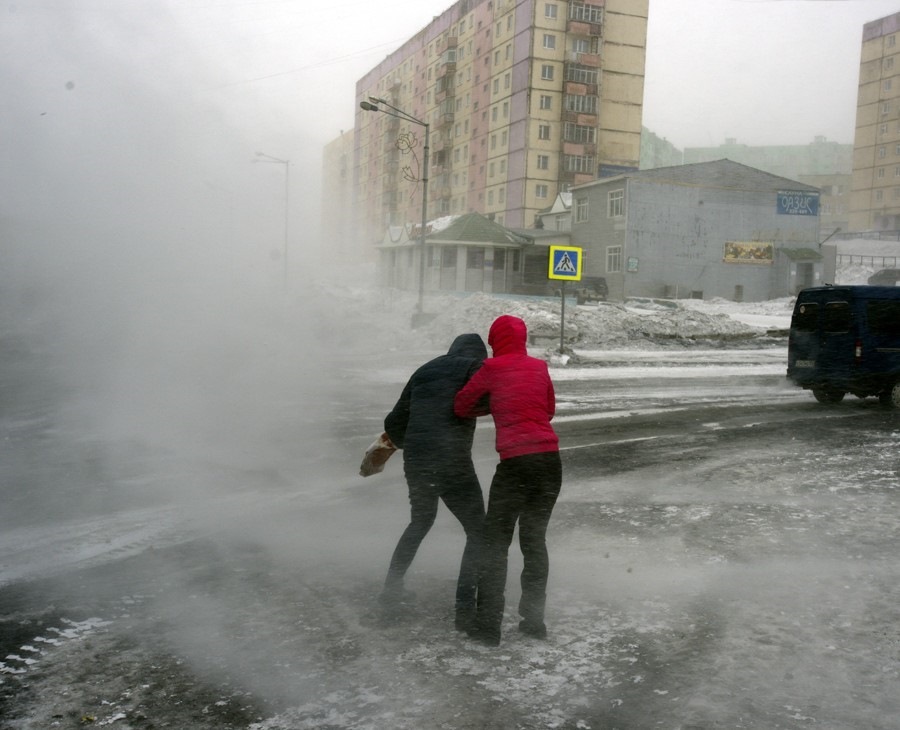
x=565, y=263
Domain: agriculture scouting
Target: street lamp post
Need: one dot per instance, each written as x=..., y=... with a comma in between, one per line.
x=372, y=105
x=287, y=189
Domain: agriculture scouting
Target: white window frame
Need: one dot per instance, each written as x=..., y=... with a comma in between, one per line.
x=615, y=203
x=613, y=259
x=582, y=210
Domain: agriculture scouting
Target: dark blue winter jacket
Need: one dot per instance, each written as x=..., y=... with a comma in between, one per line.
x=422, y=423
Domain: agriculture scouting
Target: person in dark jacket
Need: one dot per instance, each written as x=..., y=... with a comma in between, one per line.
x=527, y=480
x=437, y=462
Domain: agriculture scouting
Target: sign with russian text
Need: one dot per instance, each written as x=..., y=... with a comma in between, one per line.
x=794, y=202
x=565, y=263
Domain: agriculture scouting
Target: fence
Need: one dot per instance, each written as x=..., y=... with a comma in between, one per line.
x=877, y=262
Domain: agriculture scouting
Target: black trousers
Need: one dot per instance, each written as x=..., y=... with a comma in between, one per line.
x=460, y=490
x=524, y=490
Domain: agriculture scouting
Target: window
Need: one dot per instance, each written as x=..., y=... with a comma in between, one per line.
x=579, y=133
x=582, y=74
x=881, y=152
x=585, y=12
x=494, y=114
x=615, y=203
x=880, y=172
x=883, y=128
x=581, y=104
x=499, y=259
x=891, y=41
x=879, y=195
x=549, y=41
x=581, y=210
x=550, y=10
x=886, y=84
x=491, y=169
x=883, y=317
x=540, y=191
x=475, y=258
x=807, y=318
x=547, y=72
x=506, y=80
x=506, y=110
x=886, y=107
x=837, y=317
x=578, y=163
x=544, y=131
x=448, y=258
x=543, y=162
x=501, y=195
x=496, y=86
x=546, y=101
x=613, y=259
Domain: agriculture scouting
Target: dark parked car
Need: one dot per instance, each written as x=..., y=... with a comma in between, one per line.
x=591, y=289
x=885, y=277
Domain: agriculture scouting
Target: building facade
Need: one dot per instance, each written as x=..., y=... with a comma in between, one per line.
x=337, y=191
x=819, y=157
x=875, y=196
x=523, y=99
x=715, y=229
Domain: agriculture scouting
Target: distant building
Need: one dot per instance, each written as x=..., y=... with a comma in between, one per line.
x=337, y=197
x=523, y=98
x=820, y=157
x=875, y=197
x=834, y=201
x=712, y=229
x=657, y=151
x=468, y=253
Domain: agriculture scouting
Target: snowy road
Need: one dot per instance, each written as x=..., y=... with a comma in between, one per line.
x=724, y=555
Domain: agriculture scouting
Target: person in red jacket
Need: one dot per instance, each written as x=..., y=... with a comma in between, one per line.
x=520, y=397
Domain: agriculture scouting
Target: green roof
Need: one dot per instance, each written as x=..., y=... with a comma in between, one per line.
x=802, y=254
x=476, y=228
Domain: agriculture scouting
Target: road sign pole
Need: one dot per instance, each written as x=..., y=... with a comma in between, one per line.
x=562, y=316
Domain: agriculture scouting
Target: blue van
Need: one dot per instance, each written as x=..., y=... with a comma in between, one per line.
x=846, y=339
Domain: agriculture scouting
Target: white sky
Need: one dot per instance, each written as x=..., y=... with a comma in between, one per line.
x=185, y=91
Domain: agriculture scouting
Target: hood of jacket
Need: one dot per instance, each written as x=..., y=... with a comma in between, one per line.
x=468, y=345
x=508, y=336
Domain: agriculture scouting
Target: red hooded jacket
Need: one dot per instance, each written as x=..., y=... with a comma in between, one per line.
x=519, y=392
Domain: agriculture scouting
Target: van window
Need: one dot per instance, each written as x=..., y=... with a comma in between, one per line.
x=884, y=317
x=837, y=317
x=806, y=319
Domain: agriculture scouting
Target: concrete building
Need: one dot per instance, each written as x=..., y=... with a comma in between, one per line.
x=523, y=98
x=819, y=157
x=875, y=196
x=337, y=192
x=714, y=229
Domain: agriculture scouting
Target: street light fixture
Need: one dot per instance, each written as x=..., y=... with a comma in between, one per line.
x=287, y=187
x=374, y=105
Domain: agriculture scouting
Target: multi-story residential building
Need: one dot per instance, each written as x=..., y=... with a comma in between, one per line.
x=523, y=99
x=337, y=191
x=875, y=196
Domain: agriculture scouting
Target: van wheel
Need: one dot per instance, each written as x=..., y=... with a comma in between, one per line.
x=828, y=395
x=891, y=397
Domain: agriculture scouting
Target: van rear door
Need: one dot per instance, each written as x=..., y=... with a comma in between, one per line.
x=837, y=348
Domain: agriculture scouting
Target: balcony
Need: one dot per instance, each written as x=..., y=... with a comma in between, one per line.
x=584, y=59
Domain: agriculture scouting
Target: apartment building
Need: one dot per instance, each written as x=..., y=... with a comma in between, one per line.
x=522, y=100
x=875, y=194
